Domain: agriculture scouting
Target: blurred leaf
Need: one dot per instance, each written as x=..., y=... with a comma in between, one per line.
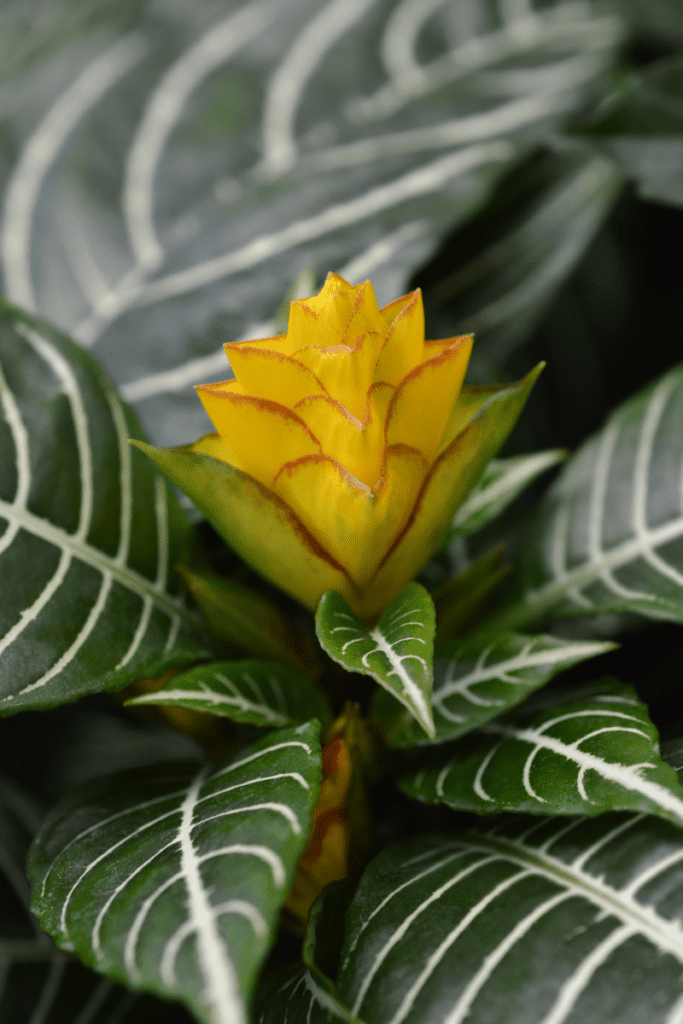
x=459, y=600
x=541, y=922
x=257, y=692
x=583, y=757
x=504, y=265
x=91, y=533
x=171, y=183
x=641, y=129
x=172, y=882
x=248, y=621
x=501, y=482
x=609, y=535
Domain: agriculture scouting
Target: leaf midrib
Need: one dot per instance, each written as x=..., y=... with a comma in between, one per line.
x=122, y=573
x=663, y=933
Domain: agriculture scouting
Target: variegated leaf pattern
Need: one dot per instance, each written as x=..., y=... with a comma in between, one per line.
x=90, y=532
x=39, y=982
x=586, y=757
x=610, y=534
x=502, y=481
x=477, y=680
x=535, y=922
x=243, y=147
x=173, y=883
x=397, y=653
x=258, y=692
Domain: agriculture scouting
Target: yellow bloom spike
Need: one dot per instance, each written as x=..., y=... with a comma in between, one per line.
x=344, y=447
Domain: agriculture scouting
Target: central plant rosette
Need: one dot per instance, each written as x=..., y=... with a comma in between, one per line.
x=347, y=445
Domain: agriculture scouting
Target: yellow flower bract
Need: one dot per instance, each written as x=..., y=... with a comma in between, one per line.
x=346, y=446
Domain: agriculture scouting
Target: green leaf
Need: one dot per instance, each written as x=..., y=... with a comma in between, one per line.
x=476, y=680
x=586, y=757
x=460, y=600
x=257, y=692
x=609, y=535
x=535, y=922
x=219, y=151
x=503, y=267
x=90, y=533
x=397, y=653
x=172, y=882
x=248, y=621
x=39, y=982
x=502, y=481
x=641, y=128
x=304, y=992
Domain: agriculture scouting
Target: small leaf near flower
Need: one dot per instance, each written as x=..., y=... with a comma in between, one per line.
x=397, y=653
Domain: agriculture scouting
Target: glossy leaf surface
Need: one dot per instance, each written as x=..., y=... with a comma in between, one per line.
x=172, y=882
x=396, y=653
x=90, y=532
x=258, y=692
x=477, y=680
x=587, y=757
x=537, y=922
x=609, y=536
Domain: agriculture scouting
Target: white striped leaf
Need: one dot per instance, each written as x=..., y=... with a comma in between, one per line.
x=246, y=143
x=397, y=653
x=478, y=679
x=536, y=922
x=171, y=882
x=501, y=482
x=258, y=692
x=39, y=982
x=90, y=533
x=609, y=536
x=304, y=992
x=597, y=754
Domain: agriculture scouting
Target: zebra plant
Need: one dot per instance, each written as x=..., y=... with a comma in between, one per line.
x=300, y=718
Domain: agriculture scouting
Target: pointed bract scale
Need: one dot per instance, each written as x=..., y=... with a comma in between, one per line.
x=273, y=376
x=422, y=404
x=357, y=524
x=359, y=446
x=251, y=424
x=345, y=373
x=280, y=343
x=397, y=653
x=404, y=331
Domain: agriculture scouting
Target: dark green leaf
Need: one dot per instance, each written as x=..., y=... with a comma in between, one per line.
x=505, y=265
x=587, y=757
x=257, y=692
x=475, y=680
x=397, y=653
x=248, y=621
x=501, y=482
x=537, y=922
x=90, y=532
x=609, y=536
x=37, y=981
x=173, y=883
x=641, y=128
